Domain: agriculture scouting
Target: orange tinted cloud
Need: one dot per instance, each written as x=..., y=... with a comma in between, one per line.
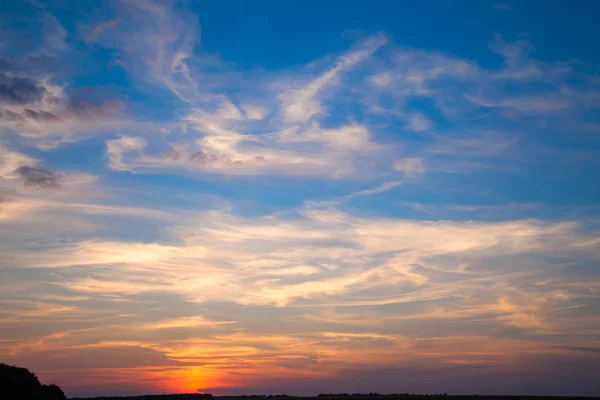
x=98, y=29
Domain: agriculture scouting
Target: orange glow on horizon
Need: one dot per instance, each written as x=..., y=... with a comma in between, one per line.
x=195, y=379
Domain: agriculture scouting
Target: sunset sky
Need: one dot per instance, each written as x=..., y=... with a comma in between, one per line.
x=301, y=196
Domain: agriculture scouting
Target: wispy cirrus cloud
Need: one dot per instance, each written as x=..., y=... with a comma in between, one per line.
x=332, y=239
x=11, y=160
x=365, y=192
x=98, y=29
x=224, y=143
x=502, y=6
x=117, y=148
x=300, y=104
x=526, y=104
x=409, y=166
x=160, y=41
x=286, y=131
x=490, y=276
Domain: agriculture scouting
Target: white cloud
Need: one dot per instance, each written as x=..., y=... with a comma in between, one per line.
x=366, y=192
x=521, y=67
x=300, y=104
x=527, y=104
x=467, y=145
x=322, y=256
x=116, y=149
x=419, y=123
x=382, y=79
x=223, y=147
x=282, y=127
x=155, y=45
x=410, y=166
x=416, y=72
x=346, y=138
x=10, y=160
x=254, y=112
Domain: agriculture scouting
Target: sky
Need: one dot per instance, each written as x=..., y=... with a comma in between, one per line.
x=242, y=197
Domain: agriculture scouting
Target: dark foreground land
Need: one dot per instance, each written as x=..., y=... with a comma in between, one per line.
x=17, y=383
x=193, y=396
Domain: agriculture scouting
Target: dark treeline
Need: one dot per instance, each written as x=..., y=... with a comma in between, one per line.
x=376, y=395
x=405, y=396
x=21, y=384
x=185, y=396
x=258, y=396
x=333, y=395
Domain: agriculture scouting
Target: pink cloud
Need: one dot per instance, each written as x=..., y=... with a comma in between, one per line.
x=98, y=29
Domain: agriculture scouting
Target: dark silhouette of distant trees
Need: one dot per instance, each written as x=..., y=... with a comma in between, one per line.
x=372, y=394
x=53, y=392
x=181, y=396
x=21, y=384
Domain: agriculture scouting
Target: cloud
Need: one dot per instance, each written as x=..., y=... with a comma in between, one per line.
x=337, y=287
x=222, y=149
x=511, y=52
x=284, y=127
x=347, y=254
x=417, y=72
x=366, y=192
x=98, y=29
x=346, y=138
x=521, y=67
x=527, y=104
x=53, y=33
x=93, y=252
x=116, y=149
x=481, y=145
x=419, y=123
x=409, y=166
x=300, y=104
x=380, y=189
x=160, y=40
x=254, y=112
x=359, y=288
x=46, y=115
x=11, y=160
x=502, y=6
x=458, y=87
x=254, y=293
x=15, y=90
x=246, y=138
x=24, y=203
x=185, y=322
x=39, y=177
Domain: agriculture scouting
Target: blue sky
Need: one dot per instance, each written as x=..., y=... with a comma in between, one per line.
x=301, y=197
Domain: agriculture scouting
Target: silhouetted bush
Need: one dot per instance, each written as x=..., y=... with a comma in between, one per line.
x=21, y=384
x=53, y=392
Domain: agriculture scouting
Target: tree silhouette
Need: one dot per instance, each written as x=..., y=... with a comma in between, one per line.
x=53, y=392
x=21, y=384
